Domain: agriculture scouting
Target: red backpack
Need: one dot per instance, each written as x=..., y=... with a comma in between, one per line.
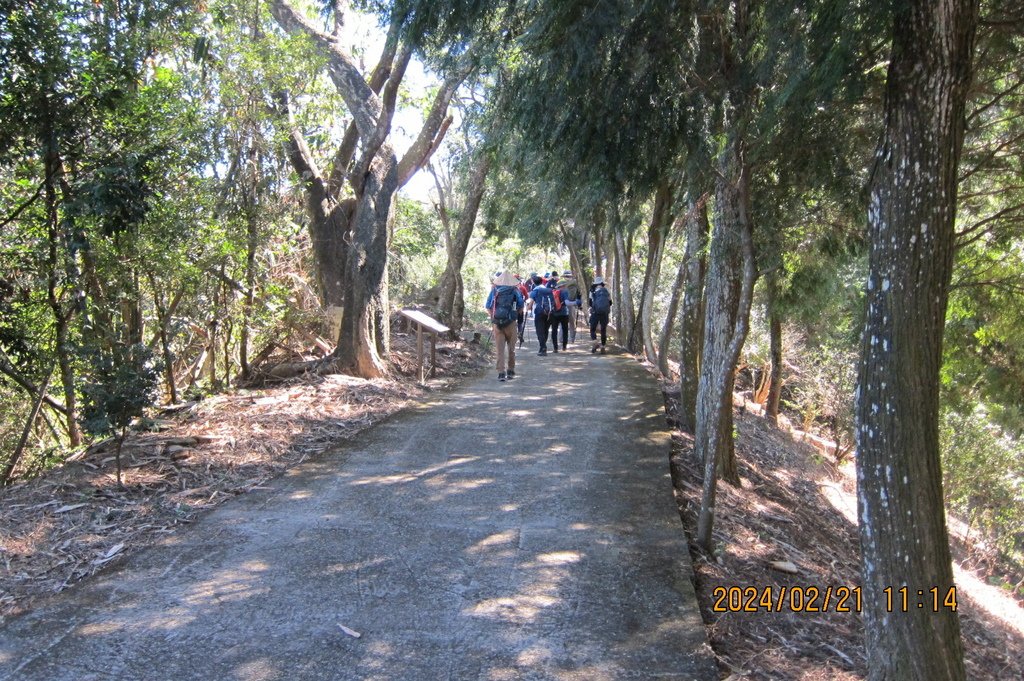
x=557, y=293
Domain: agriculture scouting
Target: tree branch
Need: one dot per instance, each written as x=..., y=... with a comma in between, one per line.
x=20, y=209
x=380, y=75
x=8, y=369
x=360, y=99
x=434, y=128
x=976, y=229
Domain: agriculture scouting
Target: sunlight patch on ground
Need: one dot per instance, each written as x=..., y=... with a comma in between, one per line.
x=989, y=598
x=257, y=670
x=521, y=608
x=843, y=502
x=384, y=479
x=100, y=628
x=451, y=487
x=560, y=557
x=499, y=539
x=534, y=656
x=992, y=600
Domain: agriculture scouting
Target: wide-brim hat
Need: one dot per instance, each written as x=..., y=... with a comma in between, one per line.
x=505, y=279
x=598, y=281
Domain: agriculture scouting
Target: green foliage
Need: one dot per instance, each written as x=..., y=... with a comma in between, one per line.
x=983, y=473
x=417, y=257
x=122, y=385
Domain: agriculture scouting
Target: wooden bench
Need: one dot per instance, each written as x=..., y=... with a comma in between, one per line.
x=424, y=323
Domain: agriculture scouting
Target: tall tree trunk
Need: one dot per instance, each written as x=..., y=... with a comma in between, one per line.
x=615, y=318
x=61, y=316
x=252, y=243
x=163, y=320
x=912, y=205
x=627, y=313
x=669, y=325
x=691, y=316
x=771, y=407
x=599, y=254
x=641, y=334
x=131, y=310
x=450, y=293
x=728, y=297
x=580, y=263
x=357, y=350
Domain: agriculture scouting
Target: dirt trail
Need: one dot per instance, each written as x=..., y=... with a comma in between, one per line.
x=509, y=530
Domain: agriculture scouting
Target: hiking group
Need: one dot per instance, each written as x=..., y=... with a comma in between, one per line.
x=554, y=303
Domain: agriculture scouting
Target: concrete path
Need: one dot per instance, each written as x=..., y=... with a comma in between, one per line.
x=520, y=530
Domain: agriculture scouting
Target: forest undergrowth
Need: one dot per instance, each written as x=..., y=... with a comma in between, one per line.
x=792, y=526
x=74, y=520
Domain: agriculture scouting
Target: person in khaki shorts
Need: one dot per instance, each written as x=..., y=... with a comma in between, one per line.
x=504, y=305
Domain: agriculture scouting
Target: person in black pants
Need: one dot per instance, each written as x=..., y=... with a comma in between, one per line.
x=600, y=307
x=542, y=302
x=560, y=317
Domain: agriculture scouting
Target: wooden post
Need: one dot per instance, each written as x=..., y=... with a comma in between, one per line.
x=419, y=352
x=433, y=355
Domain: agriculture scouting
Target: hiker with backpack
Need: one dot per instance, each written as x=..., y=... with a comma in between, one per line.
x=542, y=302
x=600, y=306
x=524, y=289
x=574, y=302
x=560, y=315
x=504, y=305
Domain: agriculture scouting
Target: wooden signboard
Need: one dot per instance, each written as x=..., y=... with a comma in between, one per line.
x=424, y=323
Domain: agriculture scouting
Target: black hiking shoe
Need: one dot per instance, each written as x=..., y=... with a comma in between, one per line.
x=501, y=377
x=542, y=352
x=593, y=349
x=510, y=375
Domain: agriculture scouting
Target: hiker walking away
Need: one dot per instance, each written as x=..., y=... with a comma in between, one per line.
x=560, y=316
x=542, y=302
x=504, y=304
x=524, y=290
x=600, y=306
x=574, y=302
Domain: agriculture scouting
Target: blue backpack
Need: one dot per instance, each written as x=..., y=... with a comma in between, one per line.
x=504, y=311
x=602, y=300
x=545, y=302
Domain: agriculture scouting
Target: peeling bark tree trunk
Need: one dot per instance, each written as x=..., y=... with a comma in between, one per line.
x=912, y=205
x=691, y=317
x=450, y=302
x=729, y=293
